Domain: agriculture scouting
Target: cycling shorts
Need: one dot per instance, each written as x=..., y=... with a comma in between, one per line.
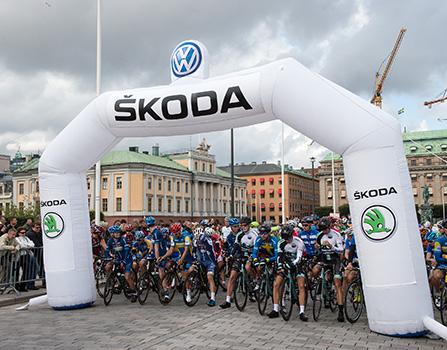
x=209, y=265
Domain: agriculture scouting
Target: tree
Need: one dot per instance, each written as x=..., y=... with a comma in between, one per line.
x=92, y=215
x=32, y=212
x=323, y=211
x=344, y=210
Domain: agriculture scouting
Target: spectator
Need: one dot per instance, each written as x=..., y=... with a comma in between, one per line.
x=28, y=224
x=35, y=234
x=12, y=224
x=27, y=262
x=8, y=247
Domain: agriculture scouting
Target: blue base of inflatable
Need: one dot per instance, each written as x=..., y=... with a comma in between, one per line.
x=407, y=335
x=73, y=307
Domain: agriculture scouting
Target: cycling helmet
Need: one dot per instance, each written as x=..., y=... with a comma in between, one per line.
x=139, y=235
x=443, y=224
x=254, y=224
x=291, y=223
x=176, y=228
x=114, y=229
x=308, y=219
x=233, y=222
x=264, y=229
x=324, y=223
x=209, y=231
x=245, y=220
x=128, y=227
x=150, y=221
x=204, y=222
x=96, y=229
x=287, y=232
x=164, y=231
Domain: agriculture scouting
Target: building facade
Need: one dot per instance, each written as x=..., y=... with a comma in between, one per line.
x=134, y=185
x=264, y=191
x=426, y=153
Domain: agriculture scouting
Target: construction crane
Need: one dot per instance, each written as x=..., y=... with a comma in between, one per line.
x=438, y=99
x=380, y=78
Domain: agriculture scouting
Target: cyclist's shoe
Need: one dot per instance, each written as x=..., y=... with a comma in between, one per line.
x=255, y=287
x=225, y=305
x=188, y=299
x=166, y=297
x=303, y=317
x=341, y=316
x=252, y=297
x=211, y=302
x=273, y=314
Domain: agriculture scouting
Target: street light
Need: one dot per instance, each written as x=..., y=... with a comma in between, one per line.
x=312, y=159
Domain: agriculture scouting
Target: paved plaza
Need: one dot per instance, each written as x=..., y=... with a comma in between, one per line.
x=123, y=325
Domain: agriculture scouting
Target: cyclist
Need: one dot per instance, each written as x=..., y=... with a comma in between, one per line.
x=440, y=254
x=181, y=252
x=265, y=250
x=141, y=250
x=309, y=237
x=118, y=249
x=226, y=229
x=128, y=234
x=331, y=240
x=98, y=243
x=290, y=252
x=350, y=258
x=161, y=243
x=229, y=244
x=207, y=258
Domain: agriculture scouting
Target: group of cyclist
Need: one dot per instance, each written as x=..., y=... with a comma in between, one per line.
x=293, y=249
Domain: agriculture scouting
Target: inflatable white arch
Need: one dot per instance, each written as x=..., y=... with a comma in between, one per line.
x=378, y=183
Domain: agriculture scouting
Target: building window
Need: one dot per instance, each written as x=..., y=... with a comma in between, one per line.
x=186, y=206
x=261, y=181
x=429, y=177
x=104, y=183
x=178, y=186
x=159, y=183
x=237, y=209
x=1, y=190
x=413, y=149
x=203, y=167
x=178, y=205
x=225, y=207
x=149, y=203
x=119, y=203
x=343, y=194
x=169, y=185
x=21, y=206
x=149, y=183
x=253, y=182
x=329, y=194
x=119, y=183
x=413, y=162
x=21, y=188
x=196, y=166
x=253, y=195
x=211, y=168
x=430, y=191
x=272, y=193
x=186, y=187
x=242, y=194
x=169, y=205
x=272, y=218
x=428, y=161
x=224, y=192
x=104, y=205
x=280, y=181
x=160, y=204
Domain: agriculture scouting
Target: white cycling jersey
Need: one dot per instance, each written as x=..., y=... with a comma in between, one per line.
x=335, y=239
x=226, y=230
x=296, y=248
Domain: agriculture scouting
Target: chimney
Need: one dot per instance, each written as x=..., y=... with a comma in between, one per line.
x=253, y=163
x=145, y=152
x=156, y=150
x=133, y=149
x=279, y=163
x=264, y=162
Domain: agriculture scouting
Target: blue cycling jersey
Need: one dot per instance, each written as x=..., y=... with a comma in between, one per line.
x=309, y=238
x=440, y=251
x=229, y=243
x=162, y=241
x=205, y=249
x=119, y=248
x=141, y=247
x=181, y=244
x=266, y=249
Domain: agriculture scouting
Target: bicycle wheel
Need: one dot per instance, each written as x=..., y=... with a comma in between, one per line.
x=354, y=301
x=168, y=288
x=143, y=287
x=286, y=301
x=109, y=287
x=317, y=303
x=240, y=292
x=332, y=297
x=443, y=306
x=195, y=285
x=263, y=295
x=100, y=283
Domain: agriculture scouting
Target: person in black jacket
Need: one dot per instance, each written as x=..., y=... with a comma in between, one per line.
x=35, y=234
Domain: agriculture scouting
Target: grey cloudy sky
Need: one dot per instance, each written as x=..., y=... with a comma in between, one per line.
x=48, y=60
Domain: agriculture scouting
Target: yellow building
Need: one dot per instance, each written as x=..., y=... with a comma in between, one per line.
x=133, y=185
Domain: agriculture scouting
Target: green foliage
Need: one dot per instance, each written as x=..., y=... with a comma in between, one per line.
x=323, y=211
x=437, y=211
x=32, y=212
x=92, y=215
x=344, y=210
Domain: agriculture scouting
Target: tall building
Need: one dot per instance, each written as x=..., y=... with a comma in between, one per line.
x=264, y=191
x=135, y=184
x=426, y=153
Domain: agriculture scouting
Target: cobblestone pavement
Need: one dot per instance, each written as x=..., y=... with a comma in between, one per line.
x=123, y=325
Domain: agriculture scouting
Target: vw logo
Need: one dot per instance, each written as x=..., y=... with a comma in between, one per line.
x=186, y=59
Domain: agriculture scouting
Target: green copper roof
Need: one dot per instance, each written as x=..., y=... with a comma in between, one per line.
x=33, y=164
x=220, y=172
x=123, y=157
x=434, y=141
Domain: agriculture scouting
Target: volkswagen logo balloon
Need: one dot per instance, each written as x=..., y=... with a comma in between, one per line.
x=188, y=59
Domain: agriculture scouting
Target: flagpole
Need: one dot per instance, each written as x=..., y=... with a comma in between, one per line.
x=98, y=91
x=283, y=210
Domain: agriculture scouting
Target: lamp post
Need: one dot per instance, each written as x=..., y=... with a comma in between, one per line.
x=312, y=159
x=232, y=174
x=98, y=91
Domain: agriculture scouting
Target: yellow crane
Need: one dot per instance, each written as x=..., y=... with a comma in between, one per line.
x=380, y=77
x=438, y=99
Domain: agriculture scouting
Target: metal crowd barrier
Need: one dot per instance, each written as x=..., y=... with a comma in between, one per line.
x=20, y=270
